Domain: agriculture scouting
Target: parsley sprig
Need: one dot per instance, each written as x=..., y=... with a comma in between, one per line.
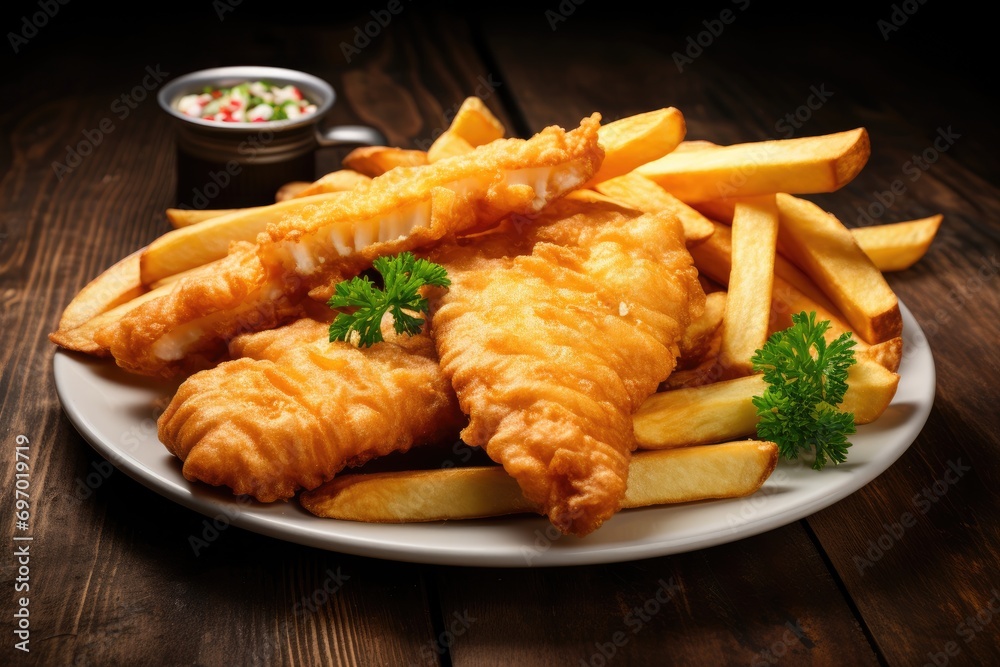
x=807, y=380
x=403, y=275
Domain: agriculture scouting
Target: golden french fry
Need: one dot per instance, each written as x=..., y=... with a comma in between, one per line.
x=720, y=210
x=116, y=285
x=892, y=247
x=419, y=495
x=792, y=292
x=888, y=353
x=698, y=337
x=724, y=410
x=167, y=280
x=751, y=283
x=341, y=180
x=899, y=245
x=695, y=145
x=643, y=194
x=290, y=190
x=635, y=140
x=728, y=470
x=81, y=338
x=475, y=123
x=822, y=163
x=448, y=145
x=376, y=160
x=826, y=250
x=189, y=247
x=184, y=217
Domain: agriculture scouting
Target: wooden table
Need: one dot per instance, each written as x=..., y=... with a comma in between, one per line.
x=113, y=580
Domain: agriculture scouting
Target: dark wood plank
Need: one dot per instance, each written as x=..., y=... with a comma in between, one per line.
x=762, y=600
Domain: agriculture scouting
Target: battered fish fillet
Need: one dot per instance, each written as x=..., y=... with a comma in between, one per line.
x=404, y=209
x=294, y=409
x=553, y=339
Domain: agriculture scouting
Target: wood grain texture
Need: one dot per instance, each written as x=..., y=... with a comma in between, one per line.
x=114, y=577
x=761, y=600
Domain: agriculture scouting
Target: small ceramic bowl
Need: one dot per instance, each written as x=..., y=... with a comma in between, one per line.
x=224, y=164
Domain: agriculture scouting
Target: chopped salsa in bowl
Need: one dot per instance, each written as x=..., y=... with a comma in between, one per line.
x=248, y=102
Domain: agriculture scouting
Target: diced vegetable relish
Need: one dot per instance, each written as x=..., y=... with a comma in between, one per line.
x=249, y=102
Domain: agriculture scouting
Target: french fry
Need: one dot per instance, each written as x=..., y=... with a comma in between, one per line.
x=189, y=247
x=290, y=190
x=751, y=283
x=341, y=180
x=81, y=338
x=448, y=145
x=185, y=217
x=804, y=165
x=475, y=123
x=888, y=354
x=720, y=210
x=892, y=247
x=897, y=246
x=643, y=194
x=115, y=285
x=698, y=337
x=826, y=250
x=635, y=140
x=792, y=291
x=694, y=145
x=724, y=410
x=374, y=161
x=728, y=470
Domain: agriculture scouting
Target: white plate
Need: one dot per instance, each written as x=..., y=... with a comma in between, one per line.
x=116, y=413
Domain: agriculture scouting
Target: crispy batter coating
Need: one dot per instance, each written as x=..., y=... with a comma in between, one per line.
x=404, y=209
x=292, y=409
x=553, y=338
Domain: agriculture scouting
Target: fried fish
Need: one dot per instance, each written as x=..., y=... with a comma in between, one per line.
x=404, y=209
x=291, y=409
x=554, y=336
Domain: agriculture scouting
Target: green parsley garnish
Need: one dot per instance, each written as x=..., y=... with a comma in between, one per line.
x=403, y=276
x=807, y=380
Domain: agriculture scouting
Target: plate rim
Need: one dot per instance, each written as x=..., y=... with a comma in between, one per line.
x=265, y=522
